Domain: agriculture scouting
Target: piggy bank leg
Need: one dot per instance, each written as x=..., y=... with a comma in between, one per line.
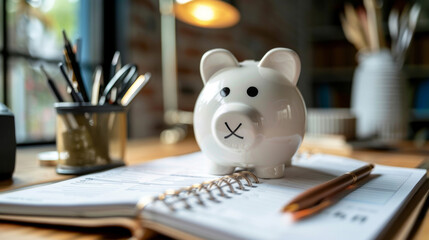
x=270, y=172
x=217, y=169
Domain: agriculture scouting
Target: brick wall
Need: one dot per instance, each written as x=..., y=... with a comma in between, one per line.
x=263, y=26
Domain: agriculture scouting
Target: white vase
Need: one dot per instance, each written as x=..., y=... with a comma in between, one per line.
x=378, y=97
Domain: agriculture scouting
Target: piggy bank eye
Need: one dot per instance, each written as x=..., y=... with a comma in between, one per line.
x=224, y=92
x=252, y=91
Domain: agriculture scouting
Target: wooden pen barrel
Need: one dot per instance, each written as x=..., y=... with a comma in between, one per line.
x=320, y=192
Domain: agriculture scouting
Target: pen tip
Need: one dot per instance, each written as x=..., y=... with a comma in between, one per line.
x=291, y=207
x=65, y=36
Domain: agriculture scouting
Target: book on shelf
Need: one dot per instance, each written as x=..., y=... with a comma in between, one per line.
x=175, y=196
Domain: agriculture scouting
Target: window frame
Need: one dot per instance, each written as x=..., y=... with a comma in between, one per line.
x=102, y=18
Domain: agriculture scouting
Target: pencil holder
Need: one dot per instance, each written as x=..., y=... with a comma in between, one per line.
x=378, y=97
x=90, y=138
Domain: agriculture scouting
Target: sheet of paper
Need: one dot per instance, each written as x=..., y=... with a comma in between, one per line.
x=255, y=213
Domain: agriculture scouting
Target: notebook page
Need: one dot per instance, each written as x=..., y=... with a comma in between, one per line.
x=249, y=214
x=113, y=192
x=255, y=213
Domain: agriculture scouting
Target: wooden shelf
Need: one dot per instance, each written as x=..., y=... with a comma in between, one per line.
x=327, y=75
x=327, y=33
x=416, y=71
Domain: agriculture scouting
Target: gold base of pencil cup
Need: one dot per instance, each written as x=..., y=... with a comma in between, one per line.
x=90, y=138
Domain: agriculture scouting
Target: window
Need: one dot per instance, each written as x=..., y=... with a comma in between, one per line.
x=32, y=37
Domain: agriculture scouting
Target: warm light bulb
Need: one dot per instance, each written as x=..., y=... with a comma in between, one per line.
x=207, y=13
x=203, y=13
x=182, y=1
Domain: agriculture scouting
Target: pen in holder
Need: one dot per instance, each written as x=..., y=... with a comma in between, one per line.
x=90, y=138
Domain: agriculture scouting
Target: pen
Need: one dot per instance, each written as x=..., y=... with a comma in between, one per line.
x=75, y=67
x=98, y=75
x=138, y=84
x=68, y=120
x=69, y=67
x=114, y=83
x=315, y=197
x=130, y=77
x=78, y=47
x=76, y=97
x=116, y=64
x=52, y=86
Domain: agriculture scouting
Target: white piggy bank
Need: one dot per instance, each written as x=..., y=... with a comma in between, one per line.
x=250, y=114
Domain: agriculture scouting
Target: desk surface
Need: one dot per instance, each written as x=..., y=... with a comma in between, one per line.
x=28, y=172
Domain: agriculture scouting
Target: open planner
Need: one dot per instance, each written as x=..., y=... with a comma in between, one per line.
x=177, y=197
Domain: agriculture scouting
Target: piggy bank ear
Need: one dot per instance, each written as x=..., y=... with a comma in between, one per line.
x=283, y=60
x=215, y=60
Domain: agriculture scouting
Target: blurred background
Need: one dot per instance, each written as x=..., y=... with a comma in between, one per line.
x=31, y=36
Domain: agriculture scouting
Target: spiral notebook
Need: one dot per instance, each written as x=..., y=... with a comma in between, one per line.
x=175, y=196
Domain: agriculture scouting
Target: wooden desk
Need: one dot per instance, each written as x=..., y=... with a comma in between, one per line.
x=28, y=172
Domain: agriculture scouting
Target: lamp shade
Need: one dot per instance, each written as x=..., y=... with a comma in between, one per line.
x=207, y=13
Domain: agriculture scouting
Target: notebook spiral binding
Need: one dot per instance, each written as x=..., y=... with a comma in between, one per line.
x=207, y=187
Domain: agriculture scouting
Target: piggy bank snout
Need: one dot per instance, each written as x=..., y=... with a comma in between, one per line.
x=236, y=126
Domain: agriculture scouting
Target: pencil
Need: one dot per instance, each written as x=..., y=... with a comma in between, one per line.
x=313, y=196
